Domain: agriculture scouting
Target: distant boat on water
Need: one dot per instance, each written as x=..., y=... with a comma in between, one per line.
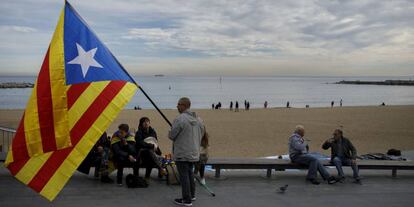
x=159, y=75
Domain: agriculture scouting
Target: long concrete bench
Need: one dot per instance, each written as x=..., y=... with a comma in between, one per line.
x=279, y=164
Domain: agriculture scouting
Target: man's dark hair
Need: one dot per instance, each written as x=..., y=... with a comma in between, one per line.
x=340, y=131
x=124, y=127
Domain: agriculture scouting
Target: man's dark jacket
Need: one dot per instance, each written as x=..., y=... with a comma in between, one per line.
x=348, y=148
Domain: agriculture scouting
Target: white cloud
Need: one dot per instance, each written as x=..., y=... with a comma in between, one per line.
x=18, y=29
x=357, y=36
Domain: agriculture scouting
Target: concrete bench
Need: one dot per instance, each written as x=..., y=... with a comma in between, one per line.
x=279, y=165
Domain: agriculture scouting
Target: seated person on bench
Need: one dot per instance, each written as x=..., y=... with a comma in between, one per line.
x=124, y=154
x=298, y=153
x=149, y=154
x=342, y=153
x=101, y=151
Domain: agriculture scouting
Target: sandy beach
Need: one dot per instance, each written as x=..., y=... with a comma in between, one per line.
x=264, y=132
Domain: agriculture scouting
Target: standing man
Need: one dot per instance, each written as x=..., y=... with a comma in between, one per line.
x=298, y=153
x=231, y=105
x=186, y=133
x=343, y=152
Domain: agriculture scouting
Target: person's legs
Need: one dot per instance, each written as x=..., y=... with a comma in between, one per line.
x=119, y=173
x=354, y=167
x=338, y=164
x=202, y=169
x=183, y=170
x=322, y=170
x=191, y=177
x=314, y=166
x=148, y=171
x=309, y=161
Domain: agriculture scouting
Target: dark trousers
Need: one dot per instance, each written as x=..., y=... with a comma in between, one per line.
x=149, y=159
x=185, y=170
x=120, y=169
x=200, y=168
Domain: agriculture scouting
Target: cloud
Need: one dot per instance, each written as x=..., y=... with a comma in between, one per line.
x=18, y=29
x=356, y=36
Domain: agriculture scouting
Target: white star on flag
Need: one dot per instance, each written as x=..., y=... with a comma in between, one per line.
x=85, y=59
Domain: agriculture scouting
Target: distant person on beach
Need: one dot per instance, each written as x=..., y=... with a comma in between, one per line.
x=245, y=104
x=201, y=165
x=340, y=103
x=149, y=153
x=248, y=105
x=123, y=147
x=237, y=107
x=212, y=106
x=383, y=104
x=298, y=153
x=265, y=104
x=343, y=152
x=332, y=104
x=219, y=105
x=231, y=105
x=186, y=133
x=288, y=105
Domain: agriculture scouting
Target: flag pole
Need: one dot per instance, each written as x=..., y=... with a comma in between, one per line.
x=156, y=107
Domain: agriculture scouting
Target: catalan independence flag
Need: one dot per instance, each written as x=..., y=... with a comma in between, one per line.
x=80, y=89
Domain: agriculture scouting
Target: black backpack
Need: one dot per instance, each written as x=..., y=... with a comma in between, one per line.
x=394, y=152
x=135, y=181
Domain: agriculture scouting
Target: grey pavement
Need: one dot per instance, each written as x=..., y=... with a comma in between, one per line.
x=235, y=188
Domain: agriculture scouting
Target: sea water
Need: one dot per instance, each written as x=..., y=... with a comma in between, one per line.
x=277, y=91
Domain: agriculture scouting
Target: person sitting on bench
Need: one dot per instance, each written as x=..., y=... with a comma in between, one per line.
x=101, y=149
x=298, y=153
x=149, y=154
x=343, y=152
x=123, y=147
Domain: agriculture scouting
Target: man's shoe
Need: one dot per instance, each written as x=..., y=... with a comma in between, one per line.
x=203, y=181
x=332, y=180
x=357, y=181
x=313, y=181
x=181, y=202
x=193, y=199
x=340, y=179
x=106, y=179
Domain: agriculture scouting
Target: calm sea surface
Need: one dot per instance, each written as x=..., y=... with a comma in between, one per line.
x=203, y=91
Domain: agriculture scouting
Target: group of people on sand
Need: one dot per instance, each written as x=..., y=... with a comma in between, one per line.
x=343, y=152
x=190, y=151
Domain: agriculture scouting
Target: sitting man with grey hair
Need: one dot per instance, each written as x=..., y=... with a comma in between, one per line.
x=343, y=152
x=298, y=153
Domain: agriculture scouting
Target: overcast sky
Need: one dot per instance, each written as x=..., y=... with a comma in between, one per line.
x=258, y=37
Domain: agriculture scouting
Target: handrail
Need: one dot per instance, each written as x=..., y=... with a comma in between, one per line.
x=6, y=136
x=7, y=129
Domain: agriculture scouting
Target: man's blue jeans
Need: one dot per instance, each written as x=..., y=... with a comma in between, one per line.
x=314, y=166
x=339, y=162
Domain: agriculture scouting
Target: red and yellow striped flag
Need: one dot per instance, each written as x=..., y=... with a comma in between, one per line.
x=80, y=89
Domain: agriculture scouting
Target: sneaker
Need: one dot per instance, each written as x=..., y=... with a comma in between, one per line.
x=332, y=180
x=340, y=179
x=357, y=181
x=193, y=199
x=203, y=181
x=181, y=202
x=313, y=181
